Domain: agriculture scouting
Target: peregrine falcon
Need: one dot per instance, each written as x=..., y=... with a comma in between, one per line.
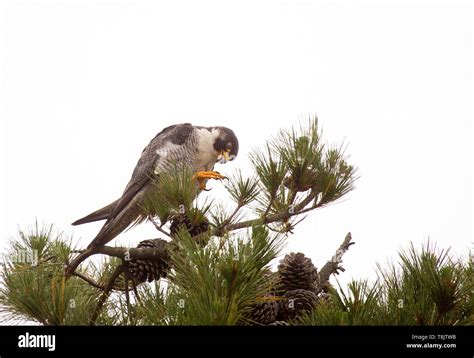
x=194, y=147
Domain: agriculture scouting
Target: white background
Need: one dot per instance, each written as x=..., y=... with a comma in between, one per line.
x=85, y=85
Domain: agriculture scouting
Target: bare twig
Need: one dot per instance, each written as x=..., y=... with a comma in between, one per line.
x=221, y=229
x=292, y=197
x=88, y=280
x=106, y=293
x=93, y=283
x=333, y=266
x=232, y=216
x=269, y=206
x=158, y=227
x=71, y=267
x=77, y=251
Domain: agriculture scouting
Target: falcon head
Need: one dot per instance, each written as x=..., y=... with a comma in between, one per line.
x=216, y=144
x=225, y=144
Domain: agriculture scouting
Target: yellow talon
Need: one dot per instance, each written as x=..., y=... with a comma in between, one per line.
x=203, y=177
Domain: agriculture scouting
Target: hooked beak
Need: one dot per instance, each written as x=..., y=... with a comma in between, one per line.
x=223, y=157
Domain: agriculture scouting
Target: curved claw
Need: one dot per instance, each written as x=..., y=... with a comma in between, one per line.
x=203, y=176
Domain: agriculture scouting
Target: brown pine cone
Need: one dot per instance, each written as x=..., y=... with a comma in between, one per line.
x=295, y=302
x=195, y=229
x=265, y=312
x=296, y=271
x=149, y=270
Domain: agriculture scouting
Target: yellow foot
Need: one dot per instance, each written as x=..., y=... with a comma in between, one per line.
x=203, y=177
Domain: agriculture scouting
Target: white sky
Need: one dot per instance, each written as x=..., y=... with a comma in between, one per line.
x=86, y=85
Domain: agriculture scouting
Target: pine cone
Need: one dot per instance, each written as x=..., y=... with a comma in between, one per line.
x=194, y=228
x=266, y=311
x=149, y=270
x=295, y=302
x=296, y=271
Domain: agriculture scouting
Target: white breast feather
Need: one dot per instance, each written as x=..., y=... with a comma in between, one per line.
x=206, y=155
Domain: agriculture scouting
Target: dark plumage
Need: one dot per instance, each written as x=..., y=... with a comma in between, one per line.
x=181, y=145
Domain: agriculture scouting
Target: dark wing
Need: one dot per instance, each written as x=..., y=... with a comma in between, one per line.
x=101, y=214
x=127, y=208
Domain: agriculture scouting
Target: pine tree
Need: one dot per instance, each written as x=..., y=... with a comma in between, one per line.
x=214, y=263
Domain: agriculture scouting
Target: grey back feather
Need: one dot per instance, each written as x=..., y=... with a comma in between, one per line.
x=173, y=145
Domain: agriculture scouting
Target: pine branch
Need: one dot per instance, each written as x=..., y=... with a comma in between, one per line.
x=159, y=253
x=128, y=254
x=333, y=266
x=158, y=227
x=88, y=280
x=231, y=216
x=91, y=282
x=297, y=210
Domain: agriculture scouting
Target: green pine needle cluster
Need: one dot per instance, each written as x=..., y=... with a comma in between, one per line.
x=298, y=172
x=219, y=283
x=172, y=193
x=242, y=190
x=36, y=289
x=427, y=288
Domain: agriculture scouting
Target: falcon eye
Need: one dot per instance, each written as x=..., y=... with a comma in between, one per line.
x=228, y=147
